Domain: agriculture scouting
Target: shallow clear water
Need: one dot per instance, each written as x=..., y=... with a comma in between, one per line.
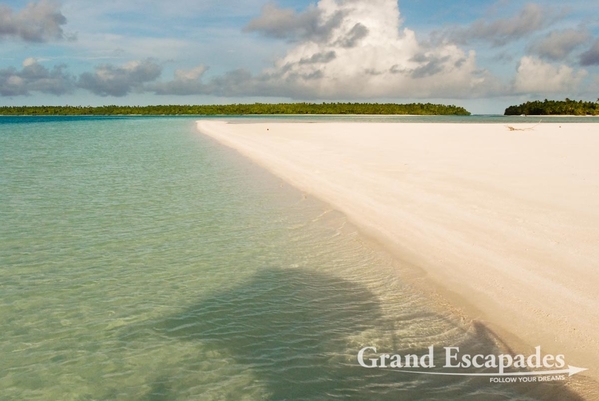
x=140, y=260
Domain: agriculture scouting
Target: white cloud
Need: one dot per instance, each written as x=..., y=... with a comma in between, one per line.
x=110, y=80
x=37, y=22
x=287, y=23
x=557, y=45
x=186, y=82
x=29, y=61
x=362, y=54
x=536, y=76
x=531, y=18
x=190, y=75
x=34, y=77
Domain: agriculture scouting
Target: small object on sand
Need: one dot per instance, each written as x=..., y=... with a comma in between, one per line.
x=523, y=129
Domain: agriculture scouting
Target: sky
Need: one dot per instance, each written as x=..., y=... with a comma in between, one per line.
x=482, y=55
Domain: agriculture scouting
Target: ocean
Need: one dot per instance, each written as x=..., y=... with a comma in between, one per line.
x=141, y=260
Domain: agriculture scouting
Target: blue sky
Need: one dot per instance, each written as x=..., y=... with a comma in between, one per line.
x=483, y=55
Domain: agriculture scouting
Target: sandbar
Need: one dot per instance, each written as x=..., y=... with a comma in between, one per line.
x=506, y=221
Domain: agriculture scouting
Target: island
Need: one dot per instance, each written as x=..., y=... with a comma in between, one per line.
x=555, y=107
x=242, y=109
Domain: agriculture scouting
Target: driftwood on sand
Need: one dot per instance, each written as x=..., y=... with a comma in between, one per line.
x=511, y=128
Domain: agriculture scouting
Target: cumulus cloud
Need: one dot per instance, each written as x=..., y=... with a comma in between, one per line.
x=557, y=45
x=37, y=22
x=341, y=49
x=110, y=80
x=531, y=18
x=354, y=36
x=591, y=56
x=537, y=76
x=288, y=24
x=34, y=77
x=185, y=82
x=355, y=49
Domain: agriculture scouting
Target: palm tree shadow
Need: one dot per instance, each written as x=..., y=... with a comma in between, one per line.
x=285, y=325
x=293, y=328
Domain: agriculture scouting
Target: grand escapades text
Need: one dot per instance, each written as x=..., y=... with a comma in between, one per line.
x=453, y=359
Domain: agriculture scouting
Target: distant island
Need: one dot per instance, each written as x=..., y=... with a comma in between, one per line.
x=240, y=109
x=555, y=107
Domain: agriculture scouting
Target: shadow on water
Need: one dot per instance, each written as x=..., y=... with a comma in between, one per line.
x=299, y=332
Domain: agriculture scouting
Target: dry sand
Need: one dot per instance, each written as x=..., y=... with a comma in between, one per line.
x=506, y=222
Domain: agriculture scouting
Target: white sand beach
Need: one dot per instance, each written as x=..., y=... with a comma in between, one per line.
x=504, y=223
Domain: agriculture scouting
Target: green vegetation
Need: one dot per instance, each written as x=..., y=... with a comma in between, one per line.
x=241, y=109
x=555, y=107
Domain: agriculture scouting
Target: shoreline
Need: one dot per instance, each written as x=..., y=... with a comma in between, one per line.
x=501, y=223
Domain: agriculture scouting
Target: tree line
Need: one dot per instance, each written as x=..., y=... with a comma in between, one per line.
x=241, y=109
x=555, y=107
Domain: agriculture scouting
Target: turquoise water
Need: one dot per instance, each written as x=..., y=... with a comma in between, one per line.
x=140, y=260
